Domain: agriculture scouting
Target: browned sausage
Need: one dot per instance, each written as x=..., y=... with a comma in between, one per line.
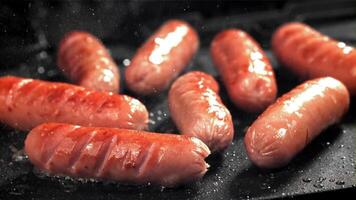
x=85, y=60
x=26, y=103
x=245, y=70
x=117, y=154
x=296, y=118
x=197, y=110
x=310, y=54
x=161, y=58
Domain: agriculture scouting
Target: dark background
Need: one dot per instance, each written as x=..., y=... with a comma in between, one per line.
x=29, y=34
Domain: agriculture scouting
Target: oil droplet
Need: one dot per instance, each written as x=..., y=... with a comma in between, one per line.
x=306, y=180
x=340, y=182
x=41, y=70
x=321, y=179
x=318, y=185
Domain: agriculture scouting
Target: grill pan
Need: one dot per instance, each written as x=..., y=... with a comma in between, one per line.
x=327, y=164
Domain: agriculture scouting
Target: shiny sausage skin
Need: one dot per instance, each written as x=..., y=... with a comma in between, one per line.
x=245, y=70
x=117, y=154
x=197, y=110
x=310, y=54
x=85, y=60
x=161, y=58
x=294, y=120
x=26, y=103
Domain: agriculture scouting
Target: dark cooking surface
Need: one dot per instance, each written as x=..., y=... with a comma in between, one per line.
x=327, y=164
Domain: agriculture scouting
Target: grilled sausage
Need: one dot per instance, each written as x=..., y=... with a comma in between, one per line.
x=26, y=103
x=245, y=70
x=161, y=58
x=310, y=54
x=296, y=118
x=85, y=60
x=197, y=110
x=116, y=154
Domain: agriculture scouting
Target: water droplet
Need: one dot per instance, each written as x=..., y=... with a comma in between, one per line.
x=341, y=146
x=327, y=143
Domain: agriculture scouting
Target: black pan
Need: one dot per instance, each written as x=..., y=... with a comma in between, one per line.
x=327, y=164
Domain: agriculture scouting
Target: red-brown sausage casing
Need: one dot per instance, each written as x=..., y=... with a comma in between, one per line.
x=161, y=58
x=26, y=103
x=311, y=54
x=245, y=70
x=116, y=154
x=197, y=110
x=85, y=60
x=296, y=118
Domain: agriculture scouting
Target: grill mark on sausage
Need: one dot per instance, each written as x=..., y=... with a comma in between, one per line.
x=78, y=150
x=102, y=165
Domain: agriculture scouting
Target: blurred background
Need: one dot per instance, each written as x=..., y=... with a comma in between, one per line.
x=27, y=27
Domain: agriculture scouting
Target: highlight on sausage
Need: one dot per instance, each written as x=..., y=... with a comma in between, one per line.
x=245, y=70
x=161, y=58
x=198, y=111
x=310, y=54
x=26, y=103
x=294, y=120
x=85, y=60
x=116, y=154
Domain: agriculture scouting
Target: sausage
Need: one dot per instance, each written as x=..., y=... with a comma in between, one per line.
x=245, y=70
x=294, y=120
x=116, y=154
x=198, y=111
x=161, y=58
x=85, y=61
x=310, y=54
x=26, y=103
